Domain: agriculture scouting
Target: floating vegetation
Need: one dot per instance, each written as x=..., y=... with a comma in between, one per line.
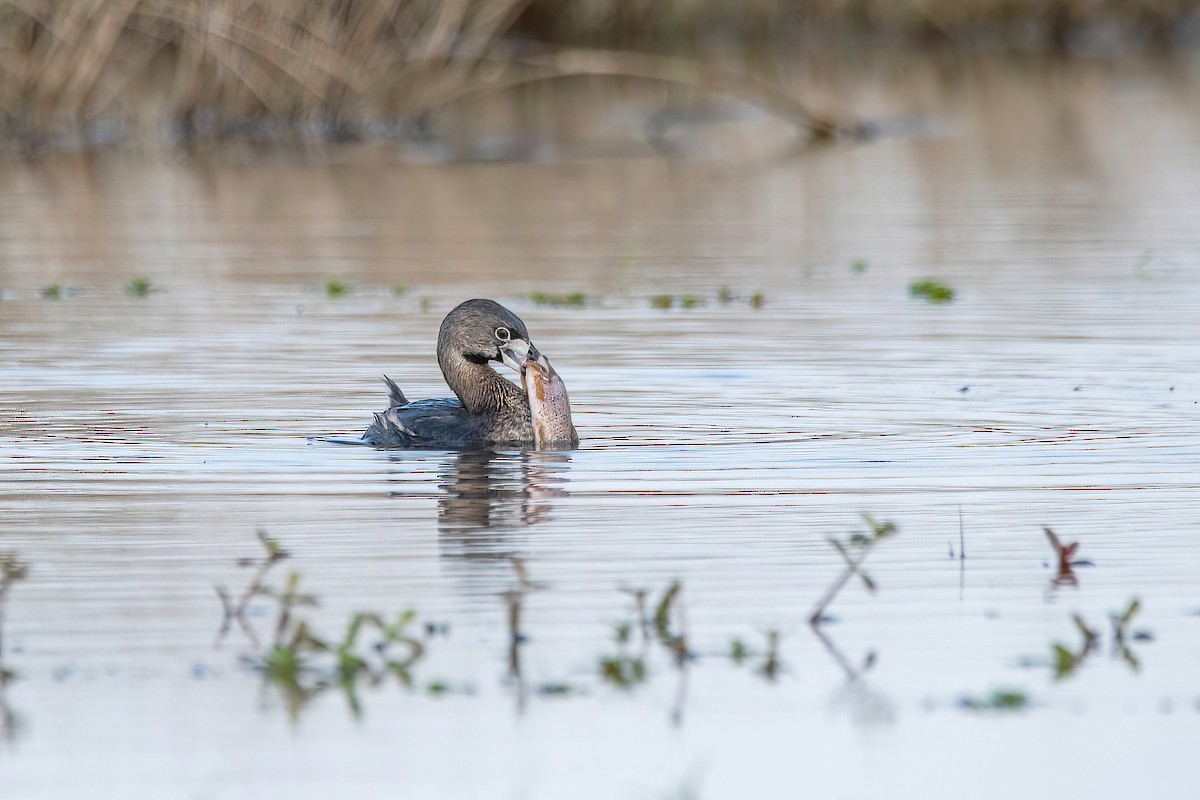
x=52, y=292
x=859, y=266
x=931, y=291
x=139, y=287
x=771, y=664
x=998, y=700
x=1066, y=660
x=1121, y=633
x=335, y=287
x=725, y=296
x=573, y=299
x=855, y=551
x=12, y=571
x=665, y=301
x=622, y=670
x=300, y=663
x=665, y=626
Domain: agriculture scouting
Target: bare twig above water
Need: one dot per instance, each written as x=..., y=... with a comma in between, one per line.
x=863, y=544
x=1067, y=562
x=236, y=611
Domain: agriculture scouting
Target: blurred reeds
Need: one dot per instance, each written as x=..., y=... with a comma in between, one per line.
x=96, y=71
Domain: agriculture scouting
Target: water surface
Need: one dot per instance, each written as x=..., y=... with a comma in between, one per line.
x=145, y=439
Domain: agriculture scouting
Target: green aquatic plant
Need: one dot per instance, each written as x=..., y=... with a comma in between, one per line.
x=757, y=300
x=335, y=287
x=859, y=266
x=662, y=301
x=139, y=287
x=738, y=651
x=399, y=291
x=557, y=689
x=854, y=551
x=665, y=301
x=623, y=671
x=1066, y=661
x=302, y=664
x=1121, y=634
x=931, y=291
x=572, y=299
x=771, y=665
x=998, y=700
x=662, y=612
x=12, y=571
x=52, y=292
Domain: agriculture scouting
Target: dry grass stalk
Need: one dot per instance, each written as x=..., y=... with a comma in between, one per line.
x=201, y=68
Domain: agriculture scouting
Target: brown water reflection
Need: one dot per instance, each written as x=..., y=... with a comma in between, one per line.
x=145, y=439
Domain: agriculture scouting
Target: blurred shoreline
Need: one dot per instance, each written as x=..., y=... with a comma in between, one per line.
x=160, y=76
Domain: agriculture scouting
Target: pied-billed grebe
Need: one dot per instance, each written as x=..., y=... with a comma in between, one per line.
x=487, y=409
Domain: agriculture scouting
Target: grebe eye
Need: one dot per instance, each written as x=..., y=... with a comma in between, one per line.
x=503, y=334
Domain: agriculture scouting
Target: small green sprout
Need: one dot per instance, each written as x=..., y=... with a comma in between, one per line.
x=623, y=671
x=662, y=301
x=771, y=665
x=556, y=689
x=335, y=287
x=399, y=290
x=757, y=300
x=138, y=287
x=859, y=266
x=1065, y=660
x=998, y=700
x=738, y=651
x=931, y=291
x=573, y=299
x=53, y=291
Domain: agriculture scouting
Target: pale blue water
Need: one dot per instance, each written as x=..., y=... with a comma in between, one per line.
x=146, y=439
